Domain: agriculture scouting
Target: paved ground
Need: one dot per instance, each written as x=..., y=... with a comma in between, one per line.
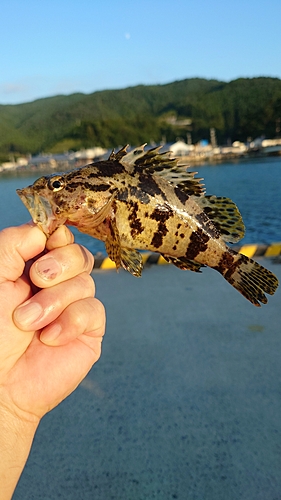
x=184, y=403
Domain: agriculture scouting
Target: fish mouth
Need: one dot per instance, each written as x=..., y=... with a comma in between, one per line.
x=40, y=210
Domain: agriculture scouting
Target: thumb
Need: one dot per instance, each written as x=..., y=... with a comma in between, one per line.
x=17, y=246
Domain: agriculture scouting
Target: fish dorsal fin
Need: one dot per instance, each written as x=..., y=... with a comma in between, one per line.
x=119, y=155
x=163, y=165
x=225, y=216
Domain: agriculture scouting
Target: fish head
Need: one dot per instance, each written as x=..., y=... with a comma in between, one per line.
x=44, y=203
x=67, y=198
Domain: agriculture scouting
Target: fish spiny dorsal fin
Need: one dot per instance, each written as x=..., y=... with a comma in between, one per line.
x=119, y=155
x=163, y=165
x=130, y=159
x=185, y=180
x=225, y=216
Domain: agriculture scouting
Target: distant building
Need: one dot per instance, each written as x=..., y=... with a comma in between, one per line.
x=180, y=148
x=90, y=154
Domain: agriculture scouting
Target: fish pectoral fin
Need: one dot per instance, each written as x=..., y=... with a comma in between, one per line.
x=104, y=210
x=183, y=263
x=113, y=250
x=112, y=243
x=131, y=260
x=225, y=216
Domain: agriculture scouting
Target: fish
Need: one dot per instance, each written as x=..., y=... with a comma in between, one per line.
x=146, y=200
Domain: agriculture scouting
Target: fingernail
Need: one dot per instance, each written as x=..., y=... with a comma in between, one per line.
x=26, y=314
x=48, y=269
x=50, y=334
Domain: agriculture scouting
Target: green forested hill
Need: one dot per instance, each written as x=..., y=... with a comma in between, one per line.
x=237, y=110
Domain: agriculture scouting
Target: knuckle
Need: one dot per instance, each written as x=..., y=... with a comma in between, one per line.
x=86, y=283
x=78, y=322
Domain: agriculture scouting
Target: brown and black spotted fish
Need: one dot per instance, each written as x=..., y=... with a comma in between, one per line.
x=145, y=200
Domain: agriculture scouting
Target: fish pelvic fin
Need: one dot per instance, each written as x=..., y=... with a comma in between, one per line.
x=248, y=277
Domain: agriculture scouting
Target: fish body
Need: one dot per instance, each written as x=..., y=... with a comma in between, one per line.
x=144, y=200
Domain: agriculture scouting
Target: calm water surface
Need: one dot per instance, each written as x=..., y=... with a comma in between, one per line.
x=255, y=186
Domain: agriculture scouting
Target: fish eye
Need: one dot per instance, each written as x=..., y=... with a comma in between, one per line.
x=56, y=183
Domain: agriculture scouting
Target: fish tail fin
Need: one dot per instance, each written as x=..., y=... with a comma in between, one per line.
x=248, y=277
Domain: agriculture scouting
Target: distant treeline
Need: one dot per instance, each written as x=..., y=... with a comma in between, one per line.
x=237, y=110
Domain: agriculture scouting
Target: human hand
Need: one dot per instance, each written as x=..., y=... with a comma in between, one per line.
x=51, y=325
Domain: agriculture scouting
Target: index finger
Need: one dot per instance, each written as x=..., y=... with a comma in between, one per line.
x=17, y=246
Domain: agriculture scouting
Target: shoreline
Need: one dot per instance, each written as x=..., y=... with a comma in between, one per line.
x=199, y=159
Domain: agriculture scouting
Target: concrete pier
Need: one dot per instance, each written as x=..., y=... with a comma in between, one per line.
x=183, y=404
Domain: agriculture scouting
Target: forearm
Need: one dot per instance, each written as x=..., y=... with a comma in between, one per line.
x=16, y=438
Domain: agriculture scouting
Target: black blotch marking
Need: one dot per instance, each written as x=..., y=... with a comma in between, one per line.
x=123, y=194
x=71, y=186
x=207, y=225
x=91, y=203
x=161, y=215
x=97, y=187
x=107, y=169
x=149, y=185
x=228, y=265
x=157, y=240
x=182, y=195
x=141, y=195
x=73, y=175
x=198, y=243
x=134, y=210
x=207, y=210
x=202, y=218
x=158, y=169
x=135, y=222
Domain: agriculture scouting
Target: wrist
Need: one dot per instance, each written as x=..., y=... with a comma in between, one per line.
x=16, y=436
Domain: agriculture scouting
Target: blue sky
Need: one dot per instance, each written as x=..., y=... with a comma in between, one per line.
x=51, y=47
